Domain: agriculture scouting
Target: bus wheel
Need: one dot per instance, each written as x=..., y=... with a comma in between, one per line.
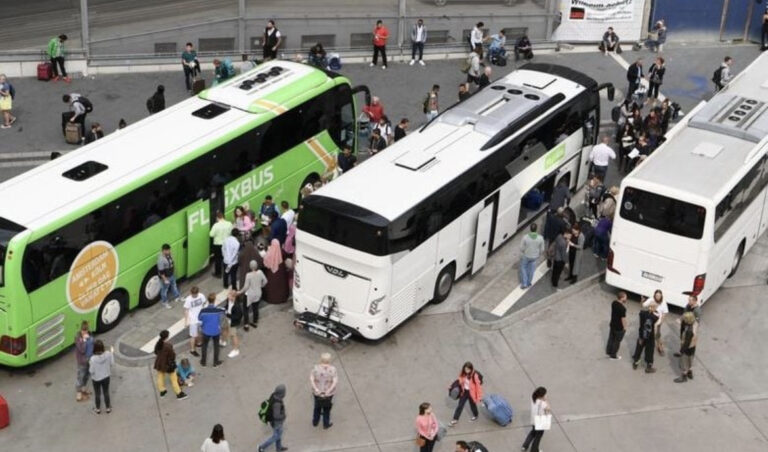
x=111, y=310
x=149, y=292
x=443, y=284
x=737, y=260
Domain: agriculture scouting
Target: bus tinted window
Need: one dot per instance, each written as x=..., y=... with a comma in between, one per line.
x=345, y=224
x=8, y=229
x=737, y=200
x=662, y=213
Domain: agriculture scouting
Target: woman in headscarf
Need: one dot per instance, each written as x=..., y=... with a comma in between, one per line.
x=276, y=290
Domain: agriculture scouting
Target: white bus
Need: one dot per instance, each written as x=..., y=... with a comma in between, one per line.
x=394, y=233
x=689, y=213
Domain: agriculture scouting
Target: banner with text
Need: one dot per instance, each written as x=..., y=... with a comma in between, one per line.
x=587, y=20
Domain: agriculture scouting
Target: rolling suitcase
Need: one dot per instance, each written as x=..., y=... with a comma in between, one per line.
x=44, y=71
x=72, y=133
x=198, y=85
x=498, y=408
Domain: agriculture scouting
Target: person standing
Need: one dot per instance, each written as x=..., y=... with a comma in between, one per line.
x=559, y=255
x=485, y=78
x=473, y=73
x=271, y=41
x=634, y=76
x=210, y=325
x=602, y=237
x=83, y=352
x=219, y=232
x=346, y=160
x=688, y=339
x=431, y=104
x=601, y=156
x=418, y=38
x=216, y=442
x=531, y=248
x=723, y=74
x=254, y=283
x=764, y=30
x=378, y=143
x=656, y=78
x=100, y=368
x=662, y=309
x=6, y=102
x=427, y=428
x=323, y=379
x=229, y=250
x=165, y=269
x=464, y=93
x=276, y=419
x=234, y=313
x=156, y=103
x=193, y=304
x=575, y=246
x=380, y=36
x=539, y=407
x=401, y=129
x=288, y=214
x=190, y=64
x=476, y=38
x=267, y=207
x=165, y=366
x=470, y=390
x=618, y=325
x=56, y=55
x=645, y=338
x=276, y=290
x=607, y=207
x=693, y=306
x=278, y=228
x=561, y=196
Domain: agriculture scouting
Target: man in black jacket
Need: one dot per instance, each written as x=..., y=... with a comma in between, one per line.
x=646, y=339
x=634, y=76
x=156, y=103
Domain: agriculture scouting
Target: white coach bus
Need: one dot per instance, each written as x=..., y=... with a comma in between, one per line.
x=689, y=213
x=380, y=242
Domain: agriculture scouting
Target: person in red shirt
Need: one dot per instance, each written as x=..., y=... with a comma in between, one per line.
x=374, y=110
x=380, y=36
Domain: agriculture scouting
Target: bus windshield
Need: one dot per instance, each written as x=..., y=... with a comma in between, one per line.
x=8, y=229
x=662, y=213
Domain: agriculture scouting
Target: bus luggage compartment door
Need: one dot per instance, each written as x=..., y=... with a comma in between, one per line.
x=482, y=238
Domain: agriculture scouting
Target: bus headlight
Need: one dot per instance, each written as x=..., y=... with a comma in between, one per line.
x=373, y=309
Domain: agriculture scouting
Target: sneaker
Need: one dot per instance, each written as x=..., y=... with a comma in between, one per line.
x=676, y=355
x=383, y=67
x=690, y=375
x=223, y=343
x=422, y=63
x=163, y=393
x=5, y=126
x=218, y=363
x=96, y=410
x=635, y=364
x=473, y=418
x=453, y=422
x=412, y=63
x=109, y=410
x=167, y=305
x=13, y=119
x=195, y=353
x=181, y=396
x=246, y=328
x=326, y=427
x=370, y=65
x=615, y=357
x=681, y=379
x=234, y=353
x=190, y=384
x=650, y=370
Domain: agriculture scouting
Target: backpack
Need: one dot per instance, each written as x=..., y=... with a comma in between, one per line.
x=475, y=446
x=479, y=376
x=467, y=65
x=616, y=113
x=334, y=62
x=718, y=75
x=236, y=314
x=426, y=104
x=265, y=411
x=12, y=91
x=501, y=61
x=85, y=103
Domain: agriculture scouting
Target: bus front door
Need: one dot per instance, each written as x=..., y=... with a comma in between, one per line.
x=198, y=241
x=483, y=237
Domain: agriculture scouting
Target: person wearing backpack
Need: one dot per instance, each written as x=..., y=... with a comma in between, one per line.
x=431, y=105
x=272, y=412
x=470, y=390
x=156, y=103
x=723, y=74
x=7, y=93
x=472, y=65
x=79, y=107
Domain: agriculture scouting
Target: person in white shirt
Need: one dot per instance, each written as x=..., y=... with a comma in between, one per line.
x=539, y=407
x=229, y=253
x=288, y=213
x=193, y=304
x=601, y=156
x=476, y=38
x=216, y=442
x=662, y=309
x=418, y=38
x=246, y=65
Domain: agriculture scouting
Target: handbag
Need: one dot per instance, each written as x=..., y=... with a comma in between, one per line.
x=542, y=422
x=454, y=390
x=420, y=441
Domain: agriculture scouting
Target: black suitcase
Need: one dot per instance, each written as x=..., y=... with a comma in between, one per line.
x=588, y=231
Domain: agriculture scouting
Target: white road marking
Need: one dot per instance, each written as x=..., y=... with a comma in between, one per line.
x=517, y=293
x=624, y=64
x=29, y=155
x=178, y=327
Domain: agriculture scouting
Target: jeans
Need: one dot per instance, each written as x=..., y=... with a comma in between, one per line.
x=557, y=270
x=417, y=46
x=82, y=377
x=600, y=245
x=460, y=407
x=99, y=387
x=648, y=346
x=216, y=260
x=230, y=276
x=324, y=411
x=686, y=362
x=277, y=438
x=429, y=445
x=206, y=339
x=171, y=284
x=383, y=51
x=161, y=381
x=533, y=439
x=601, y=171
x=57, y=63
x=614, y=342
x=189, y=75
x=527, y=268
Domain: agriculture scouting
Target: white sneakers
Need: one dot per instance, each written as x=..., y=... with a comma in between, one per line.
x=383, y=67
x=223, y=343
x=371, y=65
x=234, y=353
x=412, y=62
x=422, y=63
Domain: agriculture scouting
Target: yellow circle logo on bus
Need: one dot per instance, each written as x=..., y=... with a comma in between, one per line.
x=92, y=276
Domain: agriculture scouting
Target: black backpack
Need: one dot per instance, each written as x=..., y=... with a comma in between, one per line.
x=236, y=314
x=616, y=113
x=85, y=103
x=718, y=75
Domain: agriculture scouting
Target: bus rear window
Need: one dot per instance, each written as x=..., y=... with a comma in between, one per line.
x=343, y=223
x=662, y=213
x=8, y=229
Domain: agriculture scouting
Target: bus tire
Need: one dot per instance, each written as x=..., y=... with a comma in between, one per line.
x=444, y=284
x=111, y=310
x=149, y=292
x=737, y=260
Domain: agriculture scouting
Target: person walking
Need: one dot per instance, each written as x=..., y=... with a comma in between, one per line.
x=427, y=428
x=165, y=269
x=645, y=339
x=323, y=379
x=485, y=77
x=418, y=38
x=193, y=304
x=600, y=156
x=229, y=250
x=215, y=442
x=539, y=407
x=559, y=255
x=210, y=325
x=100, y=368
x=252, y=288
x=380, y=36
x=662, y=309
x=531, y=248
x=56, y=55
x=83, y=353
x=764, y=30
x=219, y=232
x=165, y=366
x=476, y=38
x=431, y=103
x=474, y=58
x=276, y=419
x=618, y=325
x=575, y=247
x=607, y=207
x=401, y=129
x=688, y=339
x=156, y=103
x=271, y=41
x=634, y=76
x=190, y=64
x=723, y=74
x=470, y=390
x=7, y=94
x=655, y=78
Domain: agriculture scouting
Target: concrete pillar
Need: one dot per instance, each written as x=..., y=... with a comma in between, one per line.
x=241, y=40
x=551, y=8
x=723, y=18
x=401, y=11
x=750, y=11
x=84, y=32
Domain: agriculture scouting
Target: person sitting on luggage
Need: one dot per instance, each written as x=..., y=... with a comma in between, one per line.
x=77, y=111
x=496, y=48
x=317, y=56
x=222, y=71
x=610, y=41
x=523, y=47
x=95, y=133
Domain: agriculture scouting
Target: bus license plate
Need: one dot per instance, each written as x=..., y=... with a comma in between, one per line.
x=318, y=331
x=652, y=276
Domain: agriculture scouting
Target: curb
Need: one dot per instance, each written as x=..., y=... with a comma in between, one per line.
x=521, y=314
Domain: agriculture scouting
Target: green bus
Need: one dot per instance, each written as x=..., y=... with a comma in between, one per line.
x=80, y=235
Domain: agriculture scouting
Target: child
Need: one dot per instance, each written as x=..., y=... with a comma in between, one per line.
x=186, y=373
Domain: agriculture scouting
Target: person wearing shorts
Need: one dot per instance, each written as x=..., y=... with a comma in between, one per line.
x=193, y=304
x=234, y=313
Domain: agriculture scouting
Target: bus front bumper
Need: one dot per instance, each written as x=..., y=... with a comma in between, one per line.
x=323, y=327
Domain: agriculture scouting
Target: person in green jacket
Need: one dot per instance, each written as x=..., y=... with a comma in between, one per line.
x=56, y=54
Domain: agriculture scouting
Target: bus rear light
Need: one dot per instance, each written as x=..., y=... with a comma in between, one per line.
x=698, y=284
x=609, y=262
x=13, y=345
